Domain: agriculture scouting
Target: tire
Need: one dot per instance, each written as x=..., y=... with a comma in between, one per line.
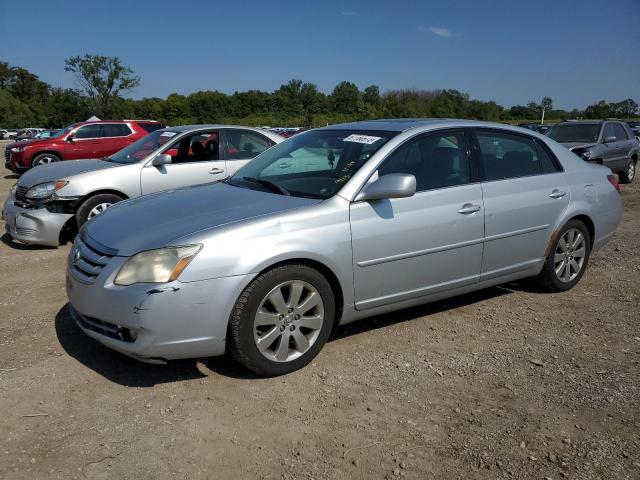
x=552, y=281
x=44, y=159
x=629, y=173
x=95, y=205
x=256, y=321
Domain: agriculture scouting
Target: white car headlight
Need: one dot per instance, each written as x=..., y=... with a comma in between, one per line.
x=156, y=266
x=44, y=190
x=12, y=193
x=18, y=149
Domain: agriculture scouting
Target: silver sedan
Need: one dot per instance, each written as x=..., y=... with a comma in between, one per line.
x=50, y=203
x=335, y=225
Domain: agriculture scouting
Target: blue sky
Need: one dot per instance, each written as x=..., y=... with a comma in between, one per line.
x=575, y=51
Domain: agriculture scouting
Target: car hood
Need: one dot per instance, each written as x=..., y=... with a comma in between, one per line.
x=572, y=145
x=62, y=170
x=160, y=219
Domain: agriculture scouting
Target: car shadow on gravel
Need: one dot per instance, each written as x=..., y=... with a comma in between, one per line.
x=12, y=176
x=10, y=242
x=131, y=373
x=388, y=319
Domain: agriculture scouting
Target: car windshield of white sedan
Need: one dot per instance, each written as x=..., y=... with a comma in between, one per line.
x=315, y=164
x=143, y=147
x=575, y=133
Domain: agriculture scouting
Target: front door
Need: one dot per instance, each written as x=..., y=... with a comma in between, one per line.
x=525, y=193
x=195, y=160
x=406, y=248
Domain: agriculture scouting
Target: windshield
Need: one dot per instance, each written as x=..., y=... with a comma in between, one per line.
x=143, y=147
x=315, y=164
x=577, y=133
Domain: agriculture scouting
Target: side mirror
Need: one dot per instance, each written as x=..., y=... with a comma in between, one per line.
x=394, y=185
x=161, y=159
x=71, y=137
x=609, y=139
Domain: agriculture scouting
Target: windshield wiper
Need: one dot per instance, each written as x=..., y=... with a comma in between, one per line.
x=274, y=187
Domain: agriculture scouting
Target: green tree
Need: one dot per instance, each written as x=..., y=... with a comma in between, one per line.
x=103, y=79
x=598, y=110
x=346, y=98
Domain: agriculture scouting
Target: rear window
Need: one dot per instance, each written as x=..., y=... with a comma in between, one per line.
x=151, y=127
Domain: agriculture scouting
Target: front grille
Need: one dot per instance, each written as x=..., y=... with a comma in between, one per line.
x=86, y=262
x=21, y=191
x=104, y=328
x=7, y=155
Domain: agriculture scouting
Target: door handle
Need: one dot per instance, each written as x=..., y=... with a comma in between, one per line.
x=555, y=193
x=216, y=170
x=468, y=208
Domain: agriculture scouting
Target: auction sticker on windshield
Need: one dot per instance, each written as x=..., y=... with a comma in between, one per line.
x=168, y=134
x=366, y=139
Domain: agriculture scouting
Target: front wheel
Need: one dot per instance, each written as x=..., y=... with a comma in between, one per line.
x=567, y=259
x=44, y=159
x=629, y=173
x=94, y=206
x=282, y=320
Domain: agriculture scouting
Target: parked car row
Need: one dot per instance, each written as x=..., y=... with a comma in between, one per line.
x=329, y=226
x=607, y=142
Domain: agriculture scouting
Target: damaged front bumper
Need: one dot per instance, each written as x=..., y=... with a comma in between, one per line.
x=35, y=224
x=154, y=322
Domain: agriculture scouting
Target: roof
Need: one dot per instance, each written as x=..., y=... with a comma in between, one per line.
x=188, y=128
x=404, y=124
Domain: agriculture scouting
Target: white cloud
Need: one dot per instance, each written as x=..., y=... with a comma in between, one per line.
x=438, y=31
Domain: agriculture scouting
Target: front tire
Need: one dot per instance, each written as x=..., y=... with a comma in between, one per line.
x=567, y=259
x=629, y=173
x=44, y=159
x=94, y=206
x=281, y=320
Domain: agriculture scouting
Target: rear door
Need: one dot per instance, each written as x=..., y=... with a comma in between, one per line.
x=240, y=145
x=525, y=192
x=405, y=248
x=195, y=160
x=115, y=136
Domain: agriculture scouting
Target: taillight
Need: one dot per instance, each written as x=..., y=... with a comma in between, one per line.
x=613, y=180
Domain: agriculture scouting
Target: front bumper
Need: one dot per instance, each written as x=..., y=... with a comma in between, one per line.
x=14, y=161
x=36, y=226
x=154, y=322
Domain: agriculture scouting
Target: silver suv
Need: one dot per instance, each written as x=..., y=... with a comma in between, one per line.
x=609, y=142
x=50, y=203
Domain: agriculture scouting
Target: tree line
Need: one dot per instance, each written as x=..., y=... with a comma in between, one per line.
x=25, y=100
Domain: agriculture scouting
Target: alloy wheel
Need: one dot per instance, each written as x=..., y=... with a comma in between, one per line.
x=631, y=170
x=98, y=209
x=570, y=255
x=288, y=321
x=45, y=160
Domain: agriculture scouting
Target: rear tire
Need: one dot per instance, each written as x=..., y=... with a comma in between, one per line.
x=279, y=337
x=567, y=259
x=95, y=205
x=629, y=173
x=44, y=159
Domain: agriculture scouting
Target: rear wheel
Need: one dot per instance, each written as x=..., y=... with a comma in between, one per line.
x=281, y=320
x=94, y=206
x=629, y=173
x=44, y=159
x=567, y=259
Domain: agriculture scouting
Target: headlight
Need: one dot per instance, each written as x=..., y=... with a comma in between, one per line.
x=12, y=193
x=586, y=154
x=156, y=266
x=18, y=149
x=44, y=190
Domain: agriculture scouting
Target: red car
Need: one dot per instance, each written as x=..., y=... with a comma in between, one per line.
x=78, y=141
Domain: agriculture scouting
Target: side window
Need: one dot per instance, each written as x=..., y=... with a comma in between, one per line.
x=548, y=164
x=151, y=127
x=508, y=156
x=436, y=160
x=243, y=144
x=608, y=131
x=89, y=131
x=116, y=130
x=620, y=133
x=202, y=147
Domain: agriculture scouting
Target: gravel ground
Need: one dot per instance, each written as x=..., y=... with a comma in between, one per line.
x=504, y=383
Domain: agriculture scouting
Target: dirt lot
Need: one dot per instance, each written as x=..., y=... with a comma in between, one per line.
x=505, y=383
